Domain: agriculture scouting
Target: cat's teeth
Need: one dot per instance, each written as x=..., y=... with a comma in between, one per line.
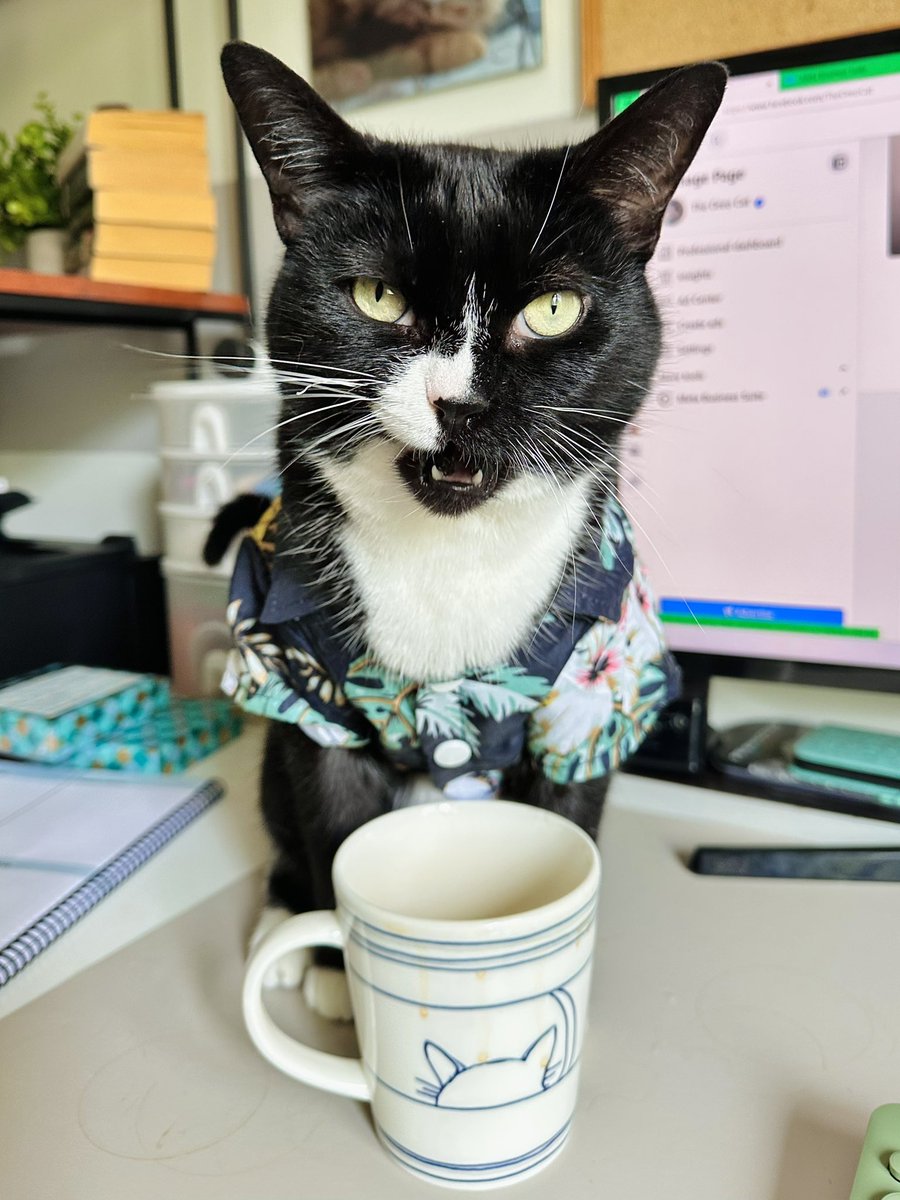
x=475, y=480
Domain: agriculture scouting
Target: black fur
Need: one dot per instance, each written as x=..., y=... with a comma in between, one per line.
x=428, y=219
x=241, y=513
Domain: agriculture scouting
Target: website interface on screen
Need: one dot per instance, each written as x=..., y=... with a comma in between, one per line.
x=763, y=473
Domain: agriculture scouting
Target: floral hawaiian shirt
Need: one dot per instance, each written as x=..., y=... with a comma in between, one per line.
x=580, y=698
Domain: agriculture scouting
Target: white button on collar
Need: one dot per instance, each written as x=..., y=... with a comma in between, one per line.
x=452, y=753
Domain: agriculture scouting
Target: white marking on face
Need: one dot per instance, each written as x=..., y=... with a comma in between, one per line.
x=407, y=403
x=443, y=595
x=450, y=378
x=403, y=408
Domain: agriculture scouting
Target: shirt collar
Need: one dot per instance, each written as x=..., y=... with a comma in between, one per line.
x=290, y=596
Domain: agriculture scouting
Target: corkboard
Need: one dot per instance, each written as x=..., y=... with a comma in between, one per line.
x=620, y=36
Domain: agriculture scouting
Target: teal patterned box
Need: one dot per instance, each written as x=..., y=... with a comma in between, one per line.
x=167, y=741
x=49, y=716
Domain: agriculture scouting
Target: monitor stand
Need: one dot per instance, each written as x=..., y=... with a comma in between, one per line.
x=685, y=749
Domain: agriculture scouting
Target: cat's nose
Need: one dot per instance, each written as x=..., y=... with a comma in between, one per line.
x=454, y=414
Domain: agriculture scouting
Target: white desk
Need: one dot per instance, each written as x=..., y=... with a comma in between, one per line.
x=742, y=1030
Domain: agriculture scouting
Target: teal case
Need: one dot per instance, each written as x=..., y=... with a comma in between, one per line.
x=839, y=754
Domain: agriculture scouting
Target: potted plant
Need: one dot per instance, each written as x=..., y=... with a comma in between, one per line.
x=29, y=194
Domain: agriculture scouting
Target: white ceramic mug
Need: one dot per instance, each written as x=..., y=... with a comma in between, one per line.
x=467, y=929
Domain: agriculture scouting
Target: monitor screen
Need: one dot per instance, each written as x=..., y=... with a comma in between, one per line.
x=763, y=472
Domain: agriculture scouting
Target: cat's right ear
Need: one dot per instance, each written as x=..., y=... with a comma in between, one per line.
x=302, y=146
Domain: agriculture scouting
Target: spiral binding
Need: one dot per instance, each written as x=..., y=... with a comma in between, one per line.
x=29, y=944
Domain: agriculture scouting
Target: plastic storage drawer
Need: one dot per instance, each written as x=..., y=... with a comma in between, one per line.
x=217, y=417
x=205, y=483
x=199, y=635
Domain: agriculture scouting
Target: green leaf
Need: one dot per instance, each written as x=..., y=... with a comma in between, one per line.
x=516, y=680
x=29, y=194
x=495, y=701
x=441, y=715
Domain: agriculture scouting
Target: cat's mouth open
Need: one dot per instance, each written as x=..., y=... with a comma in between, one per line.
x=447, y=481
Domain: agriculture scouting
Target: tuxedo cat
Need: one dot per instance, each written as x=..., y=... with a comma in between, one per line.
x=447, y=583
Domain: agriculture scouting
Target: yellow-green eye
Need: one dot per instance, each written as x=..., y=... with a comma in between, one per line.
x=550, y=315
x=379, y=300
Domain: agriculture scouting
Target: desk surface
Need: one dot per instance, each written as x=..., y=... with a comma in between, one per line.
x=741, y=1030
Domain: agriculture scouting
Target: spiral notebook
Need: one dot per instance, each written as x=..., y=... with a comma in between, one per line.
x=67, y=838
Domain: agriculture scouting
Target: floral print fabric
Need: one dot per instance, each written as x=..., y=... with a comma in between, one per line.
x=580, y=699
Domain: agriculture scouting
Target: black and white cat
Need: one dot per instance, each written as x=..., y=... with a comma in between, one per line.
x=461, y=337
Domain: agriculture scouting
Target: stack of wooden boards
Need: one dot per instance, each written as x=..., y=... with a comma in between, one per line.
x=137, y=199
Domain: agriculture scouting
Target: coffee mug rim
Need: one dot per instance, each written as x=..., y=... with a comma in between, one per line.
x=475, y=928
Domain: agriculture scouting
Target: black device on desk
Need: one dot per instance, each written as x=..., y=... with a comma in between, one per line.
x=100, y=604
x=873, y=864
x=762, y=471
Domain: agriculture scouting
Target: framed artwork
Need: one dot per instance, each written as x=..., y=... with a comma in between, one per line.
x=367, y=51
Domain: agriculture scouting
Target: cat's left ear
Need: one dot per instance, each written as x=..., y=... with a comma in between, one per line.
x=637, y=160
x=302, y=146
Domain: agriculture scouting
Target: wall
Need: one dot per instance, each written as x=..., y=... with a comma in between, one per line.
x=76, y=430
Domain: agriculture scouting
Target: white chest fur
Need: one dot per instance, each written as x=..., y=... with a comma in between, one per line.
x=445, y=594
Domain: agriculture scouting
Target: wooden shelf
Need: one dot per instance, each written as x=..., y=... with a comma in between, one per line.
x=30, y=296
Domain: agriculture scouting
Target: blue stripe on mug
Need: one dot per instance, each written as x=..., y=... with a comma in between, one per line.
x=483, y=965
x=471, y=962
x=524, y=937
x=417, y=1001
x=457, y=1172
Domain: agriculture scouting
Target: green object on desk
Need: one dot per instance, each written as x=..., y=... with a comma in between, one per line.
x=878, y=1173
x=860, y=760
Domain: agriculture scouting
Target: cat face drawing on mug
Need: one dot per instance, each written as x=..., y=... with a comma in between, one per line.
x=495, y=1081
x=504, y=1080
x=447, y=582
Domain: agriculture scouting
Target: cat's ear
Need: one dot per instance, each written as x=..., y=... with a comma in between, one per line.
x=540, y=1052
x=302, y=146
x=637, y=160
x=444, y=1065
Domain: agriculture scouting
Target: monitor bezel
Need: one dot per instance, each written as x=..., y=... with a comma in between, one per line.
x=698, y=665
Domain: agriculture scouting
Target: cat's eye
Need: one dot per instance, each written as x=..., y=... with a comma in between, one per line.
x=380, y=301
x=549, y=315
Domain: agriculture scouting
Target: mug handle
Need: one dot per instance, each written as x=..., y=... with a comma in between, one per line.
x=328, y=1071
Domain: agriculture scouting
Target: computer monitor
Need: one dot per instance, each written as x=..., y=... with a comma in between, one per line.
x=763, y=472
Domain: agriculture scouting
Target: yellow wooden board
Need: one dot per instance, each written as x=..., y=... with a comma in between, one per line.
x=620, y=36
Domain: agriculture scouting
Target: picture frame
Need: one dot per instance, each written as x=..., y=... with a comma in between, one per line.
x=364, y=52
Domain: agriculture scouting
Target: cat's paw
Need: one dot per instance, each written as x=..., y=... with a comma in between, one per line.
x=289, y=970
x=325, y=991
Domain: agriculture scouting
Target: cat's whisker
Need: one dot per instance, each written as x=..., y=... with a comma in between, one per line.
x=562, y=233
x=309, y=450
x=269, y=366
x=561, y=501
x=403, y=207
x=288, y=421
x=623, y=468
x=648, y=540
x=614, y=418
x=365, y=420
x=552, y=199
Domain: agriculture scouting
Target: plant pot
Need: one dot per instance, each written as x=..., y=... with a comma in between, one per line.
x=44, y=251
